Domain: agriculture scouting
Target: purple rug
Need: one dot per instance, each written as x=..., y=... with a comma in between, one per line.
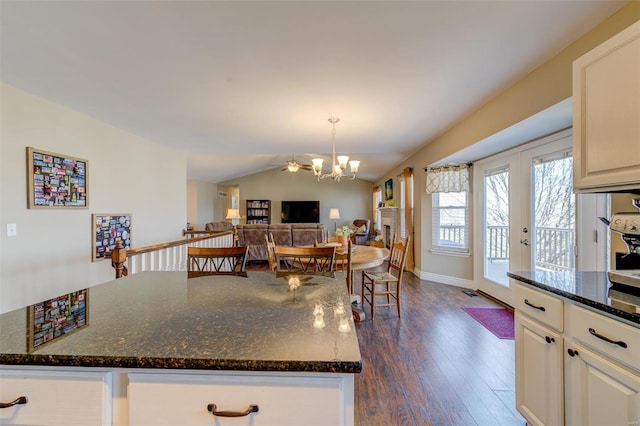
x=499, y=321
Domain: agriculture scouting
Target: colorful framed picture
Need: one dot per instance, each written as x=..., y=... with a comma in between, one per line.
x=107, y=229
x=56, y=180
x=388, y=190
x=56, y=318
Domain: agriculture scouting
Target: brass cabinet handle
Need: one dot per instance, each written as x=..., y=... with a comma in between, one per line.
x=540, y=308
x=606, y=339
x=19, y=400
x=213, y=409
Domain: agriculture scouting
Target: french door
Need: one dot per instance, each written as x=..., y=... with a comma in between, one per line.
x=525, y=214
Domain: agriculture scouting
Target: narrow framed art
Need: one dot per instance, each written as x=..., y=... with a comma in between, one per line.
x=107, y=229
x=56, y=180
x=388, y=190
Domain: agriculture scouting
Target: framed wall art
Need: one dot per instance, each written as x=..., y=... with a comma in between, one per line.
x=106, y=230
x=56, y=180
x=388, y=190
x=55, y=318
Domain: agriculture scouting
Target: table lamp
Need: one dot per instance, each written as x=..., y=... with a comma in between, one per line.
x=334, y=214
x=234, y=215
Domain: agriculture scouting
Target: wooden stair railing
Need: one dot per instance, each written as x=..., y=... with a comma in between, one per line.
x=171, y=255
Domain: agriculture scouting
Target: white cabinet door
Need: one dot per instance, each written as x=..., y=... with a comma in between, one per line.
x=539, y=385
x=606, y=107
x=56, y=397
x=599, y=392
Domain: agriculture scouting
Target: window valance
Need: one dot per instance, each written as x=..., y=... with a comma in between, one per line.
x=449, y=178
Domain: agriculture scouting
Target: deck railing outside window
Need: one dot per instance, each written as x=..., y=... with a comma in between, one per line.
x=554, y=246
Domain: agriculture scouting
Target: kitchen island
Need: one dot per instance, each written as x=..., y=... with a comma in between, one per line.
x=577, y=344
x=161, y=348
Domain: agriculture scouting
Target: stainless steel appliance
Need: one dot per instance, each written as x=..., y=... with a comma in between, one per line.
x=627, y=224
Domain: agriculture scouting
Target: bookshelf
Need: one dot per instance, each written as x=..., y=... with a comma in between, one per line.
x=259, y=211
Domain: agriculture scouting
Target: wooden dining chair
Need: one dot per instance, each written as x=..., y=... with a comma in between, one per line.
x=271, y=252
x=305, y=259
x=386, y=283
x=343, y=263
x=216, y=261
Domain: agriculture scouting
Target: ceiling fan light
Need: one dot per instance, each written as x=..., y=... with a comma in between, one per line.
x=293, y=167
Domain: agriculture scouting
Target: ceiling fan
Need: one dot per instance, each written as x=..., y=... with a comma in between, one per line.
x=293, y=166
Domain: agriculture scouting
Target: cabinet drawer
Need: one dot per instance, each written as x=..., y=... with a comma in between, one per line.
x=540, y=306
x=581, y=320
x=56, y=397
x=167, y=398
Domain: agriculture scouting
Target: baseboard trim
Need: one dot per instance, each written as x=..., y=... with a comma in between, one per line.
x=445, y=279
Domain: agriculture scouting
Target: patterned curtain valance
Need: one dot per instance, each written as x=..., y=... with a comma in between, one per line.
x=449, y=178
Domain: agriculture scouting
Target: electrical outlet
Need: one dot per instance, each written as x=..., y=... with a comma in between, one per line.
x=11, y=230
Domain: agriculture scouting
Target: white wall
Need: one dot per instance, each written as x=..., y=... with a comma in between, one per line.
x=546, y=86
x=351, y=197
x=51, y=254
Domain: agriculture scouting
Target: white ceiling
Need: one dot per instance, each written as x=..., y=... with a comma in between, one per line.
x=243, y=85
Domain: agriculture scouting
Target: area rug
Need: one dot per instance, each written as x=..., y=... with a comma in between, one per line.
x=499, y=321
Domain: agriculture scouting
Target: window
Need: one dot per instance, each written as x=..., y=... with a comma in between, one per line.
x=451, y=222
x=378, y=215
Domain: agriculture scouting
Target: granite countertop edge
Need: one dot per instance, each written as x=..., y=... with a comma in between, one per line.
x=182, y=363
x=583, y=300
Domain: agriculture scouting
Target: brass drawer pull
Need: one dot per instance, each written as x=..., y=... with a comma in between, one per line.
x=606, y=339
x=20, y=400
x=541, y=308
x=213, y=409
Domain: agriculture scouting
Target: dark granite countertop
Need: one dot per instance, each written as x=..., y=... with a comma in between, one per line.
x=588, y=288
x=164, y=320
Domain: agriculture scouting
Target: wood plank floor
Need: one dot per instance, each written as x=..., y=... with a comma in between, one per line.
x=434, y=366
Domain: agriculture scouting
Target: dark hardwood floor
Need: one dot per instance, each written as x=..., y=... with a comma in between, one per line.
x=434, y=366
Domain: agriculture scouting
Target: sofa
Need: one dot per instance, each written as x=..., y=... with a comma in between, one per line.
x=284, y=234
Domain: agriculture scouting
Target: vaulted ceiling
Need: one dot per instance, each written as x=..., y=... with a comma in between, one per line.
x=241, y=86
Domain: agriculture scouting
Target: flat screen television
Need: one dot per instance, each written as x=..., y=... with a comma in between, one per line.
x=300, y=212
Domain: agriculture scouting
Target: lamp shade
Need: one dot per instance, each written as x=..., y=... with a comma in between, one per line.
x=334, y=214
x=233, y=214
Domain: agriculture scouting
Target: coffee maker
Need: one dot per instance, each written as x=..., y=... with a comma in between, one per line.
x=627, y=224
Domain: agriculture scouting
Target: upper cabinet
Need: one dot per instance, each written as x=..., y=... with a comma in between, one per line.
x=606, y=115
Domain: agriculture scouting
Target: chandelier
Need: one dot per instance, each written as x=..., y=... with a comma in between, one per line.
x=337, y=169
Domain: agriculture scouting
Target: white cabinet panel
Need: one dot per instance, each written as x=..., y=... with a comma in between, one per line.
x=606, y=114
x=171, y=399
x=540, y=306
x=539, y=385
x=56, y=397
x=600, y=392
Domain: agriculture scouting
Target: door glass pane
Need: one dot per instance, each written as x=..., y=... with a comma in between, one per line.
x=555, y=219
x=496, y=232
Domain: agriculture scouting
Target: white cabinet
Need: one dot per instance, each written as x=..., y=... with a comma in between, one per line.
x=178, y=398
x=56, y=396
x=602, y=370
x=90, y=396
x=600, y=392
x=539, y=384
x=606, y=115
x=599, y=364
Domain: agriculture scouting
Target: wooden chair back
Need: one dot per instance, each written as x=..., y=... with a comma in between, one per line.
x=343, y=263
x=216, y=261
x=305, y=259
x=271, y=252
x=398, y=257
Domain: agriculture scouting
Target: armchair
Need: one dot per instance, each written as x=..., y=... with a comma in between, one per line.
x=361, y=234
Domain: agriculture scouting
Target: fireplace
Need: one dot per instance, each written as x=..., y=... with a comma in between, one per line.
x=389, y=224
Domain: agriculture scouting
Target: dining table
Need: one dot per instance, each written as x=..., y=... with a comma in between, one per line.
x=362, y=257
